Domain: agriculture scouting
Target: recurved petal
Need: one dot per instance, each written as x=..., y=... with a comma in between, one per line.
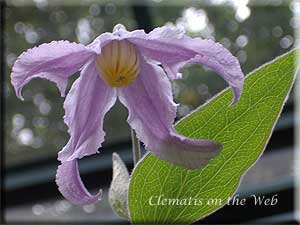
x=55, y=61
x=71, y=186
x=171, y=47
x=188, y=153
x=85, y=107
x=216, y=57
x=151, y=114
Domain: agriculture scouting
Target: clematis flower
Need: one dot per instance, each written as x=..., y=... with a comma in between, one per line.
x=135, y=67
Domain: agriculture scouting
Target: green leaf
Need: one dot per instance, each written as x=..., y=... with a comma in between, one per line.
x=244, y=129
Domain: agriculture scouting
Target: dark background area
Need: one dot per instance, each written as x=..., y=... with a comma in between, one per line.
x=35, y=132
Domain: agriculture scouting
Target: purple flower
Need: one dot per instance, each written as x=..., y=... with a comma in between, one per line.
x=125, y=65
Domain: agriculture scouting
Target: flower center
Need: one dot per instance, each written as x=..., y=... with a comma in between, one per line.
x=118, y=63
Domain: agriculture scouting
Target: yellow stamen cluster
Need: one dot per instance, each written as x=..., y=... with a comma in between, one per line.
x=118, y=63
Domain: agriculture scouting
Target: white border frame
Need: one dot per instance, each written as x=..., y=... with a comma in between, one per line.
x=20, y=3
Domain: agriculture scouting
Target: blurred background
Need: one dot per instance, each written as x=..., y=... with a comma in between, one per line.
x=254, y=31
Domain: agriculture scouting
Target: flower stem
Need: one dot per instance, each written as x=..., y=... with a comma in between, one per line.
x=136, y=148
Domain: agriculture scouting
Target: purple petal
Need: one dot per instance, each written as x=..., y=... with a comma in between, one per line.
x=85, y=106
x=151, y=114
x=55, y=61
x=174, y=50
x=70, y=184
x=101, y=41
x=119, y=33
